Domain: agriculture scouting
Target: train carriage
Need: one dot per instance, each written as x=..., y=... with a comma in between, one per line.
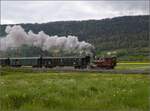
x=4, y=62
x=77, y=62
x=23, y=61
x=49, y=62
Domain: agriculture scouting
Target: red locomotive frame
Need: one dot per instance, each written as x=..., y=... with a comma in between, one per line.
x=104, y=63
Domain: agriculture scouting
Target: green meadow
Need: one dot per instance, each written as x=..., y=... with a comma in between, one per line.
x=28, y=90
x=133, y=65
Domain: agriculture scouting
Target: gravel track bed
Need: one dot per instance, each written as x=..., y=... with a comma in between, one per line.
x=70, y=69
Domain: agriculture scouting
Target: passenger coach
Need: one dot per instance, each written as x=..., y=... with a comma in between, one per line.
x=48, y=62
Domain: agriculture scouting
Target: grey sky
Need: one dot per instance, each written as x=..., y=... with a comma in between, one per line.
x=45, y=11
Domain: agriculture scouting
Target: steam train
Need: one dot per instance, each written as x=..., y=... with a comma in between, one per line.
x=51, y=62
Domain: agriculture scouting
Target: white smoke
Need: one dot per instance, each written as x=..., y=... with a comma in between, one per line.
x=16, y=37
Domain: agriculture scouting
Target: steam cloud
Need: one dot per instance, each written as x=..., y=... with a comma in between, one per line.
x=16, y=37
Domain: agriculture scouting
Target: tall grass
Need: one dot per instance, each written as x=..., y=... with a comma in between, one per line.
x=133, y=65
x=76, y=91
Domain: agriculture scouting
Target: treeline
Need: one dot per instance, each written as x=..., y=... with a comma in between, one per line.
x=120, y=33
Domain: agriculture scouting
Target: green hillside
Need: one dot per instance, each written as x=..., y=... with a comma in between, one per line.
x=128, y=36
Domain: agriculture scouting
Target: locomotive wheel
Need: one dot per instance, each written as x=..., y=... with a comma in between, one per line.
x=49, y=66
x=36, y=66
x=83, y=67
x=77, y=67
x=15, y=65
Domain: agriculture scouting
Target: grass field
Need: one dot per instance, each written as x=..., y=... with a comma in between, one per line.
x=133, y=65
x=28, y=90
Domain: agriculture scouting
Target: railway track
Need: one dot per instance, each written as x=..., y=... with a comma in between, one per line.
x=113, y=71
x=70, y=69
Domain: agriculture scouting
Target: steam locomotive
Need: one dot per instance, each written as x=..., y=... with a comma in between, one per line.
x=51, y=62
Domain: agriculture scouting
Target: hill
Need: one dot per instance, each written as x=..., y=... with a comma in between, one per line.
x=127, y=35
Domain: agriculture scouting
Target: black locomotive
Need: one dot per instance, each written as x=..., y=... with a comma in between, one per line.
x=48, y=62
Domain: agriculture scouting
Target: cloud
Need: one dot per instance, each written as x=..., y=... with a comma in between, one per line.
x=46, y=11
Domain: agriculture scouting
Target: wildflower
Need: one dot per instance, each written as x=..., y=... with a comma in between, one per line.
x=2, y=82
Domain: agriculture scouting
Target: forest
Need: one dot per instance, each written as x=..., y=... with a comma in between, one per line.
x=127, y=37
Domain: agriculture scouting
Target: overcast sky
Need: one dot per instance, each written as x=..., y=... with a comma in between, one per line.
x=45, y=11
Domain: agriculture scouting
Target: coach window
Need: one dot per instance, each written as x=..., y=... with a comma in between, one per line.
x=49, y=62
